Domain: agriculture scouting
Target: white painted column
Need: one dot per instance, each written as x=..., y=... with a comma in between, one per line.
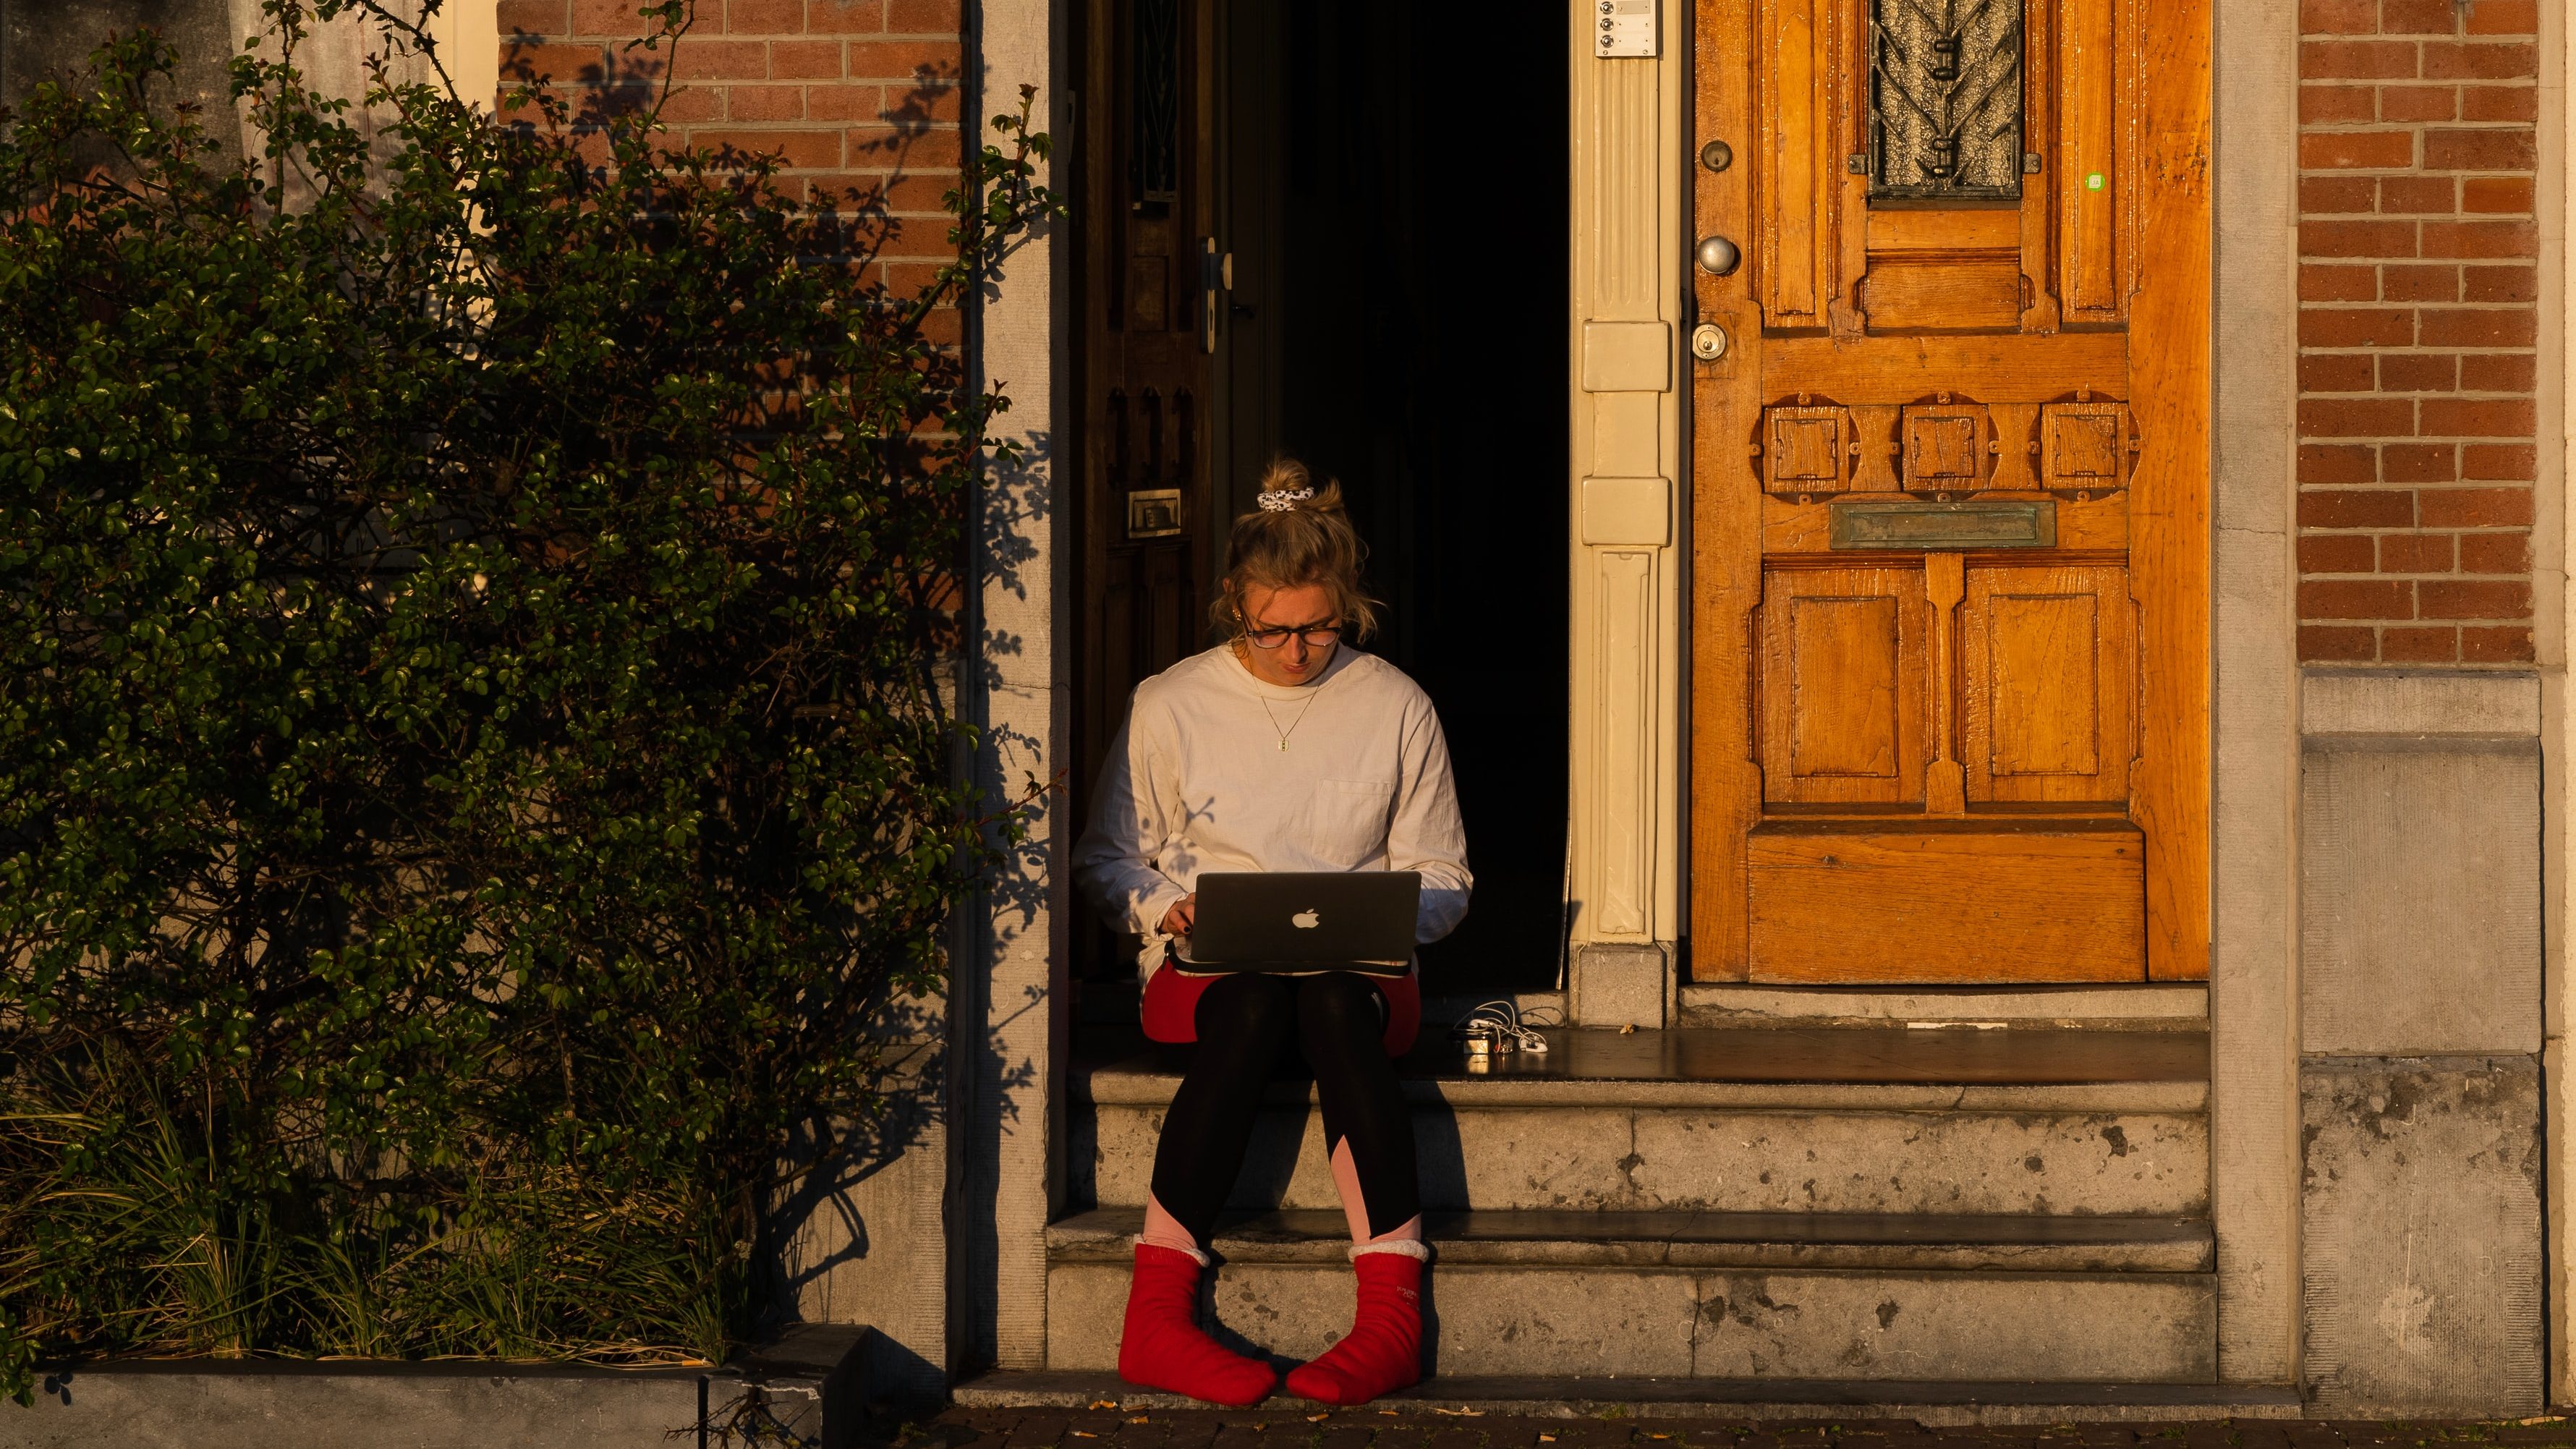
x=1627, y=690
x=1009, y=1023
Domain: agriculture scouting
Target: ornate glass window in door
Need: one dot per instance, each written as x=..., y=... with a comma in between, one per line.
x=1154, y=106
x=1945, y=101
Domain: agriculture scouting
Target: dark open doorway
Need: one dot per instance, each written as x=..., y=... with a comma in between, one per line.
x=1389, y=182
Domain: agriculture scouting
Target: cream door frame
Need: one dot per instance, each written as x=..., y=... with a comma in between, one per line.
x=1628, y=530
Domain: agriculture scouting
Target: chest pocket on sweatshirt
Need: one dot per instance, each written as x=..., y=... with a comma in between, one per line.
x=1347, y=820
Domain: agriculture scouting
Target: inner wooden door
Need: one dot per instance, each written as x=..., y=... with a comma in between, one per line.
x=1950, y=508
x=1151, y=282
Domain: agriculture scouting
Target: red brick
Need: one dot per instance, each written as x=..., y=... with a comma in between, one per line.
x=2419, y=103
x=2338, y=284
x=2326, y=105
x=849, y=17
x=2336, y=553
x=689, y=104
x=2498, y=418
x=2504, y=17
x=2415, y=553
x=2418, y=17
x=2510, y=645
x=2502, y=148
x=2329, y=195
x=2477, y=238
x=2480, y=61
x=2356, y=326
x=2500, y=462
x=2358, y=238
x=916, y=17
x=565, y=64
x=2358, y=60
x=2498, y=372
x=2436, y=194
x=2355, y=418
x=2321, y=644
x=2500, y=103
x=800, y=150
x=607, y=17
x=534, y=17
x=2372, y=150
x=2419, y=462
x=2419, y=284
x=2501, y=284
x=764, y=17
x=712, y=60
x=2496, y=193
x=2418, y=645
x=2357, y=508
x=2335, y=372
x=903, y=150
x=2471, y=599
x=805, y=60
x=915, y=60
x=2482, y=327
x=2495, y=553
x=2338, y=463
x=2338, y=17
x=2475, y=507
x=764, y=103
x=2416, y=371
x=2362, y=599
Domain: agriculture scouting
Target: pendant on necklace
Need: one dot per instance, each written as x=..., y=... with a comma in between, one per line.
x=1283, y=745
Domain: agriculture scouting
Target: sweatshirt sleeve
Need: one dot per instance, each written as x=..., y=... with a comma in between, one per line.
x=1427, y=834
x=1132, y=820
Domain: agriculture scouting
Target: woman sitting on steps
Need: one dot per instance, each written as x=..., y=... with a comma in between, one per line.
x=1282, y=749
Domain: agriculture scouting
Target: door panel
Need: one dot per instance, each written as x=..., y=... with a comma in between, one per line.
x=1950, y=493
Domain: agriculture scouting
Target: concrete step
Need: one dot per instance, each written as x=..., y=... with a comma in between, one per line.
x=1857, y=1120
x=1706, y=1296
x=1929, y=1403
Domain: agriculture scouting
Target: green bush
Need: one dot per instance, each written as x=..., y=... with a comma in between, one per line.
x=478, y=605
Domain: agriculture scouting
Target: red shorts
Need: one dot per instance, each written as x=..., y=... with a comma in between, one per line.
x=1171, y=1007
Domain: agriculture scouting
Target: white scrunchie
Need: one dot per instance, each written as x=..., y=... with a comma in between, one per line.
x=1283, y=500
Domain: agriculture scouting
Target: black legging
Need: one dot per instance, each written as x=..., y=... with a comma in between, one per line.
x=1245, y=1025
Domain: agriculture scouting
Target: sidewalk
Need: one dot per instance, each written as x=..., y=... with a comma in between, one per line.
x=1387, y=1429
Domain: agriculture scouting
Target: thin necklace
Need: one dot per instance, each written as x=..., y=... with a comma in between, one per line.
x=1292, y=725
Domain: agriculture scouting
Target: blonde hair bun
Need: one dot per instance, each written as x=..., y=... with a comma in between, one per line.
x=1301, y=534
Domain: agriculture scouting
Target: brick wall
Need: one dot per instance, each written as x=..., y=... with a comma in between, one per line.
x=858, y=97
x=2418, y=287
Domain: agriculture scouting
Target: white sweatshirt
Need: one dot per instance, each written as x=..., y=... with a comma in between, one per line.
x=1196, y=781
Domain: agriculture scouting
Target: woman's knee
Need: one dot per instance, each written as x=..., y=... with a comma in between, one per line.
x=1245, y=1011
x=1340, y=1007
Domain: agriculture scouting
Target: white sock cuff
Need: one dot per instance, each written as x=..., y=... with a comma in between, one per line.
x=1142, y=1241
x=1413, y=1248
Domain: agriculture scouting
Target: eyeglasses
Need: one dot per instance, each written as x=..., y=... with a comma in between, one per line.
x=1315, y=635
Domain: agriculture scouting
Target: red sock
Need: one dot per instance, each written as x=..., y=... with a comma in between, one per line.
x=1383, y=1351
x=1162, y=1347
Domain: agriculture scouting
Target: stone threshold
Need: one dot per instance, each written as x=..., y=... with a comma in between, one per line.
x=2142, y=1006
x=1674, y=1239
x=1827, y=1068
x=1931, y=1403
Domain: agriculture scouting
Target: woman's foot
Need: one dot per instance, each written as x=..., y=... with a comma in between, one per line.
x=1162, y=1346
x=1383, y=1350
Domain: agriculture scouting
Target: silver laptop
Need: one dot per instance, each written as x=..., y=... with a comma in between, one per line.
x=1303, y=921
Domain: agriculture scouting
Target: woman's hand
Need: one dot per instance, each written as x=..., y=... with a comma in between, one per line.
x=1176, y=921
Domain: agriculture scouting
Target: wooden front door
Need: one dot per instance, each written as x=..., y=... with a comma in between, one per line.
x=1950, y=504
x=1151, y=276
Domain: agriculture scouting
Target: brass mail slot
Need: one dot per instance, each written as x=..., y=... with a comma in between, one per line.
x=2018, y=523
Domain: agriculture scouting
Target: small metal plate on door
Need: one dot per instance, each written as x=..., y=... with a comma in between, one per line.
x=2000, y=523
x=1154, y=513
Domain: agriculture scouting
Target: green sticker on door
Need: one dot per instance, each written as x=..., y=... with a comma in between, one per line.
x=2093, y=182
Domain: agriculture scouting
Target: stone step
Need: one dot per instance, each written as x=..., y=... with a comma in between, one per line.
x=1868, y=1120
x=1963, y=1297
x=1934, y=1404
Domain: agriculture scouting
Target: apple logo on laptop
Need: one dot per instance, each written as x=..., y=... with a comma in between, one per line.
x=1306, y=920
